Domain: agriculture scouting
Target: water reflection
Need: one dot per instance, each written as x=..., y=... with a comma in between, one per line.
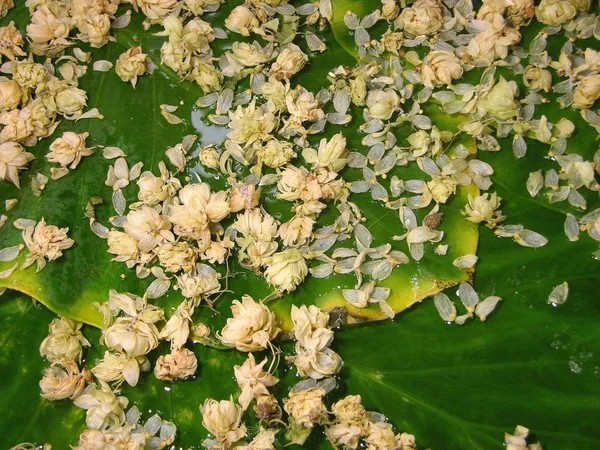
x=209, y=134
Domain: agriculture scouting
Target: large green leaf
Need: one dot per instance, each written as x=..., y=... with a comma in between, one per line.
x=453, y=387
x=28, y=418
x=530, y=363
x=133, y=123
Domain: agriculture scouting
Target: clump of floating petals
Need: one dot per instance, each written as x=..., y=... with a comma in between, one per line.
x=422, y=18
x=196, y=208
x=69, y=149
x=11, y=95
x=351, y=422
x=13, y=158
x=286, y=270
x=332, y=153
x=264, y=440
x=154, y=434
x=103, y=408
x=518, y=440
x=118, y=367
x=177, y=329
x=252, y=327
x=242, y=21
x=223, y=419
x=131, y=65
x=500, y=101
x=180, y=363
x=313, y=357
x=64, y=340
x=290, y=61
x=148, y=228
x=256, y=237
x=253, y=380
x=45, y=243
x=12, y=41
x=63, y=379
x=250, y=124
x=306, y=406
x=135, y=333
x=380, y=435
x=484, y=208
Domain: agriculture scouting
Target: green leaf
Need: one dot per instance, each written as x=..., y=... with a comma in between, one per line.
x=28, y=418
x=71, y=285
x=530, y=363
x=453, y=387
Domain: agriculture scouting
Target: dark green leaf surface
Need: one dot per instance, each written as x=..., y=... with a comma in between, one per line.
x=133, y=122
x=529, y=363
x=453, y=387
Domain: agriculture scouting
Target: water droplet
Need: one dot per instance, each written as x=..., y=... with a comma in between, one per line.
x=575, y=368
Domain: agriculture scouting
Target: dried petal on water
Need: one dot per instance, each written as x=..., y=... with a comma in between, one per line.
x=486, y=307
x=468, y=296
x=112, y=152
x=10, y=253
x=571, y=228
x=465, y=261
x=122, y=21
x=8, y=272
x=119, y=202
x=167, y=112
x=314, y=43
x=322, y=270
x=528, y=238
x=559, y=294
x=158, y=288
x=535, y=182
x=445, y=307
x=102, y=65
x=98, y=229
